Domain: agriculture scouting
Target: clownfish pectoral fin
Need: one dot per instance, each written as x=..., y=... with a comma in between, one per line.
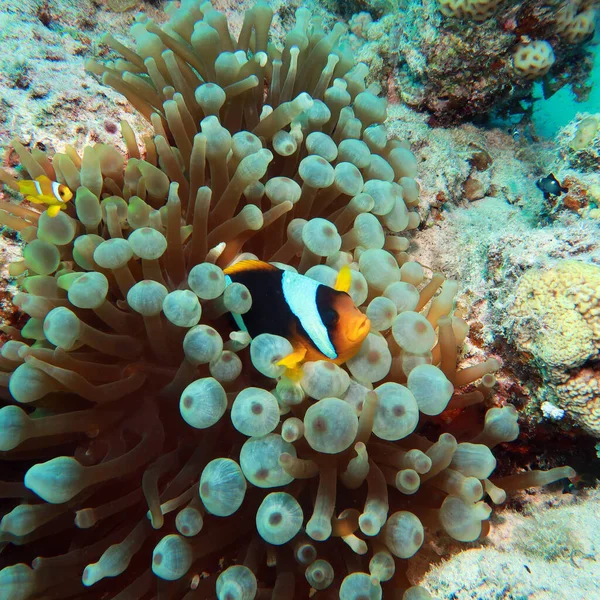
x=344, y=279
x=294, y=374
x=291, y=361
x=53, y=210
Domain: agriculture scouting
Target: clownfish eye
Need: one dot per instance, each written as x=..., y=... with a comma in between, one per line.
x=61, y=192
x=330, y=317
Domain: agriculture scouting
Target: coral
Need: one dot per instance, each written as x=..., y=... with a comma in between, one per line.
x=534, y=59
x=454, y=162
x=573, y=25
x=577, y=199
x=572, y=21
x=360, y=23
x=478, y=10
x=586, y=132
x=474, y=188
x=580, y=397
x=475, y=245
x=46, y=97
x=557, y=317
x=142, y=435
x=582, y=27
x=121, y=5
x=375, y=42
x=579, y=148
x=460, y=69
x=549, y=536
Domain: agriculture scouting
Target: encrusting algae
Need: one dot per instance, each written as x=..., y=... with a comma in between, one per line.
x=149, y=448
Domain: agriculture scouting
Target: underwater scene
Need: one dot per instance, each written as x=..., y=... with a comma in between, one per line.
x=299, y=299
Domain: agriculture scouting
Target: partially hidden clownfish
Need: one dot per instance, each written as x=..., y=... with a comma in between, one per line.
x=42, y=190
x=321, y=322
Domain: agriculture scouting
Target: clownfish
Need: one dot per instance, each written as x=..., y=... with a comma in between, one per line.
x=321, y=322
x=42, y=190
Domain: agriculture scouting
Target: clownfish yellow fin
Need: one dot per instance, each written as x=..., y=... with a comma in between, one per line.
x=292, y=364
x=291, y=361
x=53, y=210
x=294, y=374
x=344, y=279
x=43, y=179
x=249, y=265
x=34, y=199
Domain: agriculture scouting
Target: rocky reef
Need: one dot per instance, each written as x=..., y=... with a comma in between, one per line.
x=460, y=60
x=549, y=551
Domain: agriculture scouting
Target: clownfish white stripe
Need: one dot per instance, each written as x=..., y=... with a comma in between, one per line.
x=38, y=187
x=55, y=188
x=300, y=294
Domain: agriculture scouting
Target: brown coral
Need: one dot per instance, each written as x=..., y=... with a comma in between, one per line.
x=580, y=396
x=555, y=318
x=121, y=5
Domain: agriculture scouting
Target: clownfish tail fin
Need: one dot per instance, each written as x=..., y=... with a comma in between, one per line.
x=344, y=279
x=27, y=187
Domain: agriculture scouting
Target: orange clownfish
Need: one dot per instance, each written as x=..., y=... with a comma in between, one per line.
x=42, y=190
x=321, y=323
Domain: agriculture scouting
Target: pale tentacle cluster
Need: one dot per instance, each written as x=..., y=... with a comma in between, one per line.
x=144, y=439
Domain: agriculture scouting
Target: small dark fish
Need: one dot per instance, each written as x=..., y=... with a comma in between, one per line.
x=550, y=186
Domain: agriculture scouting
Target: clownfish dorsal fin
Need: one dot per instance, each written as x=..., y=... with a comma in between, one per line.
x=344, y=279
x=249, y=265
x=43, y=179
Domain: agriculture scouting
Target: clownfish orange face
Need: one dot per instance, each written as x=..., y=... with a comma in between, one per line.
x=63, y=193
x=348, y=328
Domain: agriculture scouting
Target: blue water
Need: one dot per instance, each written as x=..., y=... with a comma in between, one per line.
x=556, y=112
